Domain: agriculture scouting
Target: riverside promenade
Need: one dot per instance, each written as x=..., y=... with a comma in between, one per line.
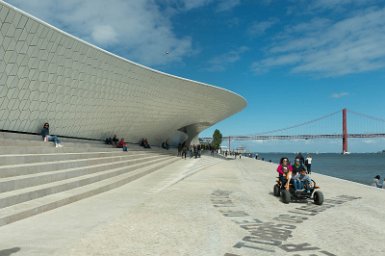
x=207, y=206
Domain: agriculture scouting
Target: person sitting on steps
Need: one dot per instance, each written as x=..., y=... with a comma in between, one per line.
x=47, y=137
x=115, y=140
x=121, y=143
x=144, y=143
x=108, y=141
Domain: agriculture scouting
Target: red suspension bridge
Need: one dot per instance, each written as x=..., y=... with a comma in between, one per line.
x=376, y=130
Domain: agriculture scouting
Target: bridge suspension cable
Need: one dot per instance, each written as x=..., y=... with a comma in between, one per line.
x=367, y=116
x=298, y=125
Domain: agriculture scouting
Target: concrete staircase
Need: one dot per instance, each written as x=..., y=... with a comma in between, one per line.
x=36, y=177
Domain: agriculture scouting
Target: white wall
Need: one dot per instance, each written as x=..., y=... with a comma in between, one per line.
x=49, y=76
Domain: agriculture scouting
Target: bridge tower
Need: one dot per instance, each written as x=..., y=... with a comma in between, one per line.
x=344, y=132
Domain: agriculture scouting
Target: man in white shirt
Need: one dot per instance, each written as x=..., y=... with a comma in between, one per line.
x=308, y=161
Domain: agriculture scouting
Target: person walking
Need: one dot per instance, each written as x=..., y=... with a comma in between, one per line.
x=184, y=151
x=308, y=161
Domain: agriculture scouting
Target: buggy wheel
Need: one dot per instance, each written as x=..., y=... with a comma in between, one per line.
x=276, y=190
x=285, y=195
x=318, y=198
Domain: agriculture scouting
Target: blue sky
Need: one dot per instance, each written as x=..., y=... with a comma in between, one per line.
x=292, y=60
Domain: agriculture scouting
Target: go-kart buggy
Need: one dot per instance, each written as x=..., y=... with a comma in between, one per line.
x=309, y=192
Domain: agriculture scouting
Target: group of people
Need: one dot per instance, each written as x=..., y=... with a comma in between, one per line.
x=144, y=143
x=114, y=141
x=110, y=141
x=377, y=182
x=232, y=153
x=193, y=150
x=296, y=174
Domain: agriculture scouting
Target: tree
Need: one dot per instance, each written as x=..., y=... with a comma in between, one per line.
x=217, y=139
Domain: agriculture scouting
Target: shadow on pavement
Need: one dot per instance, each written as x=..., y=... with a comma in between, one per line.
x=10, y=251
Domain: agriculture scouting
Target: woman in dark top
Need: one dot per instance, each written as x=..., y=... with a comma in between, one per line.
x=297, y=166
x=46, y=137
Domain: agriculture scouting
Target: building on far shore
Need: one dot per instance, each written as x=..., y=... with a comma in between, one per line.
x=47, y=75
x=240, y=149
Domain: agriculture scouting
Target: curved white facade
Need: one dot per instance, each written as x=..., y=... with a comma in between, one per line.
x=47, y=75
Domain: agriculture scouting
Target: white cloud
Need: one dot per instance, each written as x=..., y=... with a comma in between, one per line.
x=327, y=47
x=279, y=60
x=260, y=27
x=338, y=95
x=186, y=5
x=219, y=63
x=226, y=5
x=192, y=4
x=337, y=4
x=104, y=35
x=135, y=28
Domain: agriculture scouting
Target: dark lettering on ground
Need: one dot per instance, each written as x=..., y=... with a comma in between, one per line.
x=265, y=236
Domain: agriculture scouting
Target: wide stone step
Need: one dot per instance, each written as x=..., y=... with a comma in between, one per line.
x=30, y=193
x=30, y=180
x=28, y=140
x=39, y=205
x=37, y=141
x=14, y=159
x=47, y=149
x=31, y=168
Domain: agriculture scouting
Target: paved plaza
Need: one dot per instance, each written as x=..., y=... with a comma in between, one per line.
x=207, y=206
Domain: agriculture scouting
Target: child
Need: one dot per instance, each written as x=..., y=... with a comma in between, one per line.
x=301, y=179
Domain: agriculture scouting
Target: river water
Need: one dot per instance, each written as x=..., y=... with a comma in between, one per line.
x=359, y=168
